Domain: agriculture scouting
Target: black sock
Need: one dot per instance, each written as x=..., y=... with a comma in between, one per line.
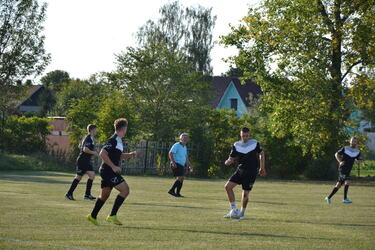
x=118, y=202
x=346, y=192
x=179, y=187
x=175, y=185
x=98, y=205
x=88, y=186
x=73, y=186
x=333, y=192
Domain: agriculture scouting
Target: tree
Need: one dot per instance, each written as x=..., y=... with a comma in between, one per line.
x=55, y=79
x=183, y=29
x=22, y=52
x=305, y=56
x=161, y=88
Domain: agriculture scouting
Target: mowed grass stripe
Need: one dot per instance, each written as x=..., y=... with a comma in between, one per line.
x=280, y=215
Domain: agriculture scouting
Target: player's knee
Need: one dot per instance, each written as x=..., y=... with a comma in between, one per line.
x=78, y=177
x=228, y=187
x=124, y=193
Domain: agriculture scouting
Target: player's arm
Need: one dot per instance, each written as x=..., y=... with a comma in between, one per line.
x=189, y=165
x=88, y=151
x=104, y=156
x=171, y=158
x=129, y=155
x=339, y=159
x=262, y=160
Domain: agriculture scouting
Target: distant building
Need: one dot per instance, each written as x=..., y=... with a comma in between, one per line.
x=58, y=140
x=231, y=94
x=30, y=103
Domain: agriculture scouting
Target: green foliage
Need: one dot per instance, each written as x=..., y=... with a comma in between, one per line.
x=161, y=88
x=55, y=79
x=26, y=134
x=82, y=113
x=114, y=107
x=21, y=40
x=304, y=56
x=35, y=161
x=187, y=30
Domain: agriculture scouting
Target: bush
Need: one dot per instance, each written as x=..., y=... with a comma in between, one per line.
x=321, y=169
x=25, y=134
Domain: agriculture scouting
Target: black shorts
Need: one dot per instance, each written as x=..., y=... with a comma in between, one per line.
x=343, y=176
x=178, y=171
x=83, y=167
x=110, y=178
x=244, y=177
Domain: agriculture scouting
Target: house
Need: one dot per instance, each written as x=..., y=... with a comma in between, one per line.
x=230, y=93
x=30, y=103
x=58, y=141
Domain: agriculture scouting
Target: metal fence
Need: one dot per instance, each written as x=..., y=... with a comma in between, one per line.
x=152, y=158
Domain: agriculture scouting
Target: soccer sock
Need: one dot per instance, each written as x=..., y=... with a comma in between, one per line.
x=98, y=205
x=232, y=205
x=333, y=192
x=118, y=202
x=73, y=186
x=179, y=187
x=346, y=188
x=176, y=183
x=88, y=186
x=243, y=209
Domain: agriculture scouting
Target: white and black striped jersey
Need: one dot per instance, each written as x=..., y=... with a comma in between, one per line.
x=247, y=154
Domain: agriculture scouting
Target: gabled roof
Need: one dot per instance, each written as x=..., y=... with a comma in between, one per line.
x=220, y=84
x=30, y=99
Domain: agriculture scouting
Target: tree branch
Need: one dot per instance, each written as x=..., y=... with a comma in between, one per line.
x=350, y=68
x=323, y=12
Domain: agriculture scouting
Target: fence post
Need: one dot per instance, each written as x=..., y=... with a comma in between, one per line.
x=145, y=163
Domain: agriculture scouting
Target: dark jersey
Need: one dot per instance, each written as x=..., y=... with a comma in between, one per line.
x=247, y=154
x=114, y=147
x=89, y=143
x=349, y=155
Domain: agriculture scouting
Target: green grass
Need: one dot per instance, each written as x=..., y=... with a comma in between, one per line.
x=37, y=161
x=281, y=215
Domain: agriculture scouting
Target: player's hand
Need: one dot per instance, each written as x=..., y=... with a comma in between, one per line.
x=342, y=163
x=174, y=165
x=133, y=154
x=228, y=162
x=117, y=170
x=262, y=172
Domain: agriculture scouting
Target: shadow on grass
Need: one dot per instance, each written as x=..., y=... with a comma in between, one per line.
x=33, y=178
x=227, y=233
x=168, y=206
x=319, y=223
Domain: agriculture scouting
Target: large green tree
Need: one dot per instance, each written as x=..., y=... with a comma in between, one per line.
x=55, y=79
x=188, y=30
x=306, y=56
x=162, y=88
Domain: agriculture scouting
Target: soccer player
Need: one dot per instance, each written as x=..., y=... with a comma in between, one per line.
x=248, y=153
x=179, y=158
x=87, y=150
x=111, y=155
x=346, y=157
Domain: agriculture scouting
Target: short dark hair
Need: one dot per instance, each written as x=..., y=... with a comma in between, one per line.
x=120, y=123
x=91, y=127
x=245, y=130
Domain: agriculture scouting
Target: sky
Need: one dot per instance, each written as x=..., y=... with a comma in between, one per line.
x=83, y=36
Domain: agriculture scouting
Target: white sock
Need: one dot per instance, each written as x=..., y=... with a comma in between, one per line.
x=243, y=209
x=232, y=205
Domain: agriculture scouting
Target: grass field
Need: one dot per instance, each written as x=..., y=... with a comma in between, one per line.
x=281, y=215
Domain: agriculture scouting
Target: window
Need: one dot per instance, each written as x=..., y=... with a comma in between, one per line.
x=233, y=104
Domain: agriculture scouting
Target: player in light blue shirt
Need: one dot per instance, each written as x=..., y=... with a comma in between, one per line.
x=179, y=159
